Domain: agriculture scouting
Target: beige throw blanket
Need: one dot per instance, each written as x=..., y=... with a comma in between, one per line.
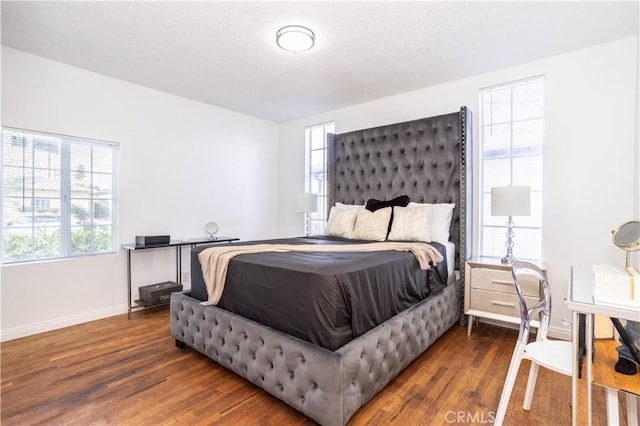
x=215, y=260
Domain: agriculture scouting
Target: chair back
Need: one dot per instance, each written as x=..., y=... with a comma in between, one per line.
x=524, y=274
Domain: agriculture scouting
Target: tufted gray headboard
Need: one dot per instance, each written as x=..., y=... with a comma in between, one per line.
x=427, y=159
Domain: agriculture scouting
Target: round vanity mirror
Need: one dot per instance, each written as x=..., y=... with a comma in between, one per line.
x=627, y=237
x=211, y=228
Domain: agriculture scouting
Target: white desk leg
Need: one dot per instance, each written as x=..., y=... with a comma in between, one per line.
x=632, y=409
x=469, y=325
x=589, y=344
x=613, y=416
x=574, y=376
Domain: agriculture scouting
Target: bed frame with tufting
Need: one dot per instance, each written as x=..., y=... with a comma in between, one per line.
x=427, y=159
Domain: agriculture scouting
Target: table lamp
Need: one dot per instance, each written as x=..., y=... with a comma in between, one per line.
x=510, y=201
x=307, y=203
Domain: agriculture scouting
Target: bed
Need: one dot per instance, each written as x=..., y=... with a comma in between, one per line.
x=427, y=159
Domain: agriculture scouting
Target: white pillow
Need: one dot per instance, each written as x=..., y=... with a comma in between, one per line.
x=372, y=226
x=342, y=206
x=440, y=221
x=411, y=224
x=341, y=222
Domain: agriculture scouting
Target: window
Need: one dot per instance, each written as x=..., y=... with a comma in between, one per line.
x=316, y=172
x=42, y=204
x=58, y=196
x=511, y=138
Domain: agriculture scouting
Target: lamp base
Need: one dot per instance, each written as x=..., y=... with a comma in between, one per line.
x=307, y=224
x=509, y=259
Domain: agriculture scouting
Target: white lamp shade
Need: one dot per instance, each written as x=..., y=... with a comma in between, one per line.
x=511, y=201
x=307, y=203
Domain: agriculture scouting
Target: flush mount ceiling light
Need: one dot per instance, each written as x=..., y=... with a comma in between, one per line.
x=295, y=38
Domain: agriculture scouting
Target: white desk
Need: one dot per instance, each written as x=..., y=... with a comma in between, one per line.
x=580, y=301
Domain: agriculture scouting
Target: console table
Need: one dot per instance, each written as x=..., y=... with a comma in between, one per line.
x=580, y=301
x=131, y=247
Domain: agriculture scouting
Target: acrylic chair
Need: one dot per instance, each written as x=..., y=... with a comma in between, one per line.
x=555, y=355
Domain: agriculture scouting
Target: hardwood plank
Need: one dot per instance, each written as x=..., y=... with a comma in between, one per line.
x=129, y=372
x=604, y=366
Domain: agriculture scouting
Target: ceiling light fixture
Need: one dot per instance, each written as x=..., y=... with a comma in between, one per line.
x=295, y=38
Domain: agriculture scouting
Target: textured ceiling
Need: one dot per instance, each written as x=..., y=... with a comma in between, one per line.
x=224, y=53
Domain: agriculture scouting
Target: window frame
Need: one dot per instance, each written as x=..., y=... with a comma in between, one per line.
x=59, y=202
x=530, y=152
x=317, y=220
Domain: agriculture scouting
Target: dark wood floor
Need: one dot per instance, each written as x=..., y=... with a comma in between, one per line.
x=128, y=372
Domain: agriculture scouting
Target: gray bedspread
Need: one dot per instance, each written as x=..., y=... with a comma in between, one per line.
x=327, y=299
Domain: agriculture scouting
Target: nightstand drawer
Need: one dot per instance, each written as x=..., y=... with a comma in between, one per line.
x=499, y=303
x=502, y=281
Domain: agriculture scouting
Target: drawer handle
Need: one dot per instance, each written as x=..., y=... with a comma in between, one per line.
x=503, y=282
x=505, y=304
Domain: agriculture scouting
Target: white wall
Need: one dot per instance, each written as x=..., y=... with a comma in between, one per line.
x=176, y=171
x=181, y=164
x=590, y=150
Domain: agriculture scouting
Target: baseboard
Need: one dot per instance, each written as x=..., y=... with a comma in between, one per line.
x=554, y=332
x=31, y=329
x=559, y=333
x=41, y=327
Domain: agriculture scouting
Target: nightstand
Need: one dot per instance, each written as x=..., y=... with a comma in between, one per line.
x=489, y=291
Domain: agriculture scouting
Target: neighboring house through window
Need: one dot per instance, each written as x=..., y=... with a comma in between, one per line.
x=316, y=171
x=58, y=196
x=511, y=141
x=42, y=204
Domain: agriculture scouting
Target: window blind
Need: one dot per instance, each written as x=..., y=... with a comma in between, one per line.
x=58, y=196
x=316, y=172
x=511, y=140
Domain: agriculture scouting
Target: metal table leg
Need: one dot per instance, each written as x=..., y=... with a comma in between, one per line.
x=178, y=264
x=129, y=283
x=574, y=376
x=589, y=344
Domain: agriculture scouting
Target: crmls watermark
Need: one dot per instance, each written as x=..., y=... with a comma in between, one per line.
x=479, y=417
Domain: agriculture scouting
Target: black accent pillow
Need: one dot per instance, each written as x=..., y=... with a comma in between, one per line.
x=373, y=204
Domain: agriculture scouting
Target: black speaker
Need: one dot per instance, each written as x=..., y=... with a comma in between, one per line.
x=152, y=240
